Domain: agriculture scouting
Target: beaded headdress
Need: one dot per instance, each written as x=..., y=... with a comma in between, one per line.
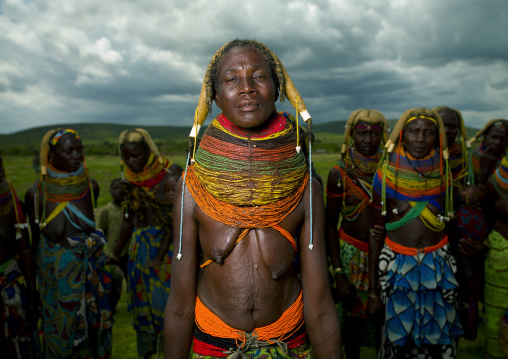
x=286, y=89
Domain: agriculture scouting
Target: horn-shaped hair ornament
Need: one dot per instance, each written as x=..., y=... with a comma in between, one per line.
x=396, y=138
x=203, y=109
x=486, y=127
x=481, y=132
x=467, y=153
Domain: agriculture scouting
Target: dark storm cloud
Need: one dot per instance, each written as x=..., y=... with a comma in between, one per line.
x=143, y=63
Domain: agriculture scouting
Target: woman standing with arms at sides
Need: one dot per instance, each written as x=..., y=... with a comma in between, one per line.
x=76, y=315
x=249, y=203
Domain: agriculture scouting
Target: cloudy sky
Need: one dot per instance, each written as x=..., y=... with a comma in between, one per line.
x=142, y=62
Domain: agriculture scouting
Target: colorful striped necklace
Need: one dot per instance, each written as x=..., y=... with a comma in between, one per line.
x=477, y=153
x=501, y=178
x=418, y=181
x=152, y=174
x=58, y=186
x=361, y=166
x=411, y=179
x=356, y=173
x=245, y=170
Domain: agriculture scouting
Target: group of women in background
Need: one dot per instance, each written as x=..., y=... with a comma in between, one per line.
x=67, y=256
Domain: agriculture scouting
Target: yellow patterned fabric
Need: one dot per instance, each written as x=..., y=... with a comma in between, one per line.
x=496, y=290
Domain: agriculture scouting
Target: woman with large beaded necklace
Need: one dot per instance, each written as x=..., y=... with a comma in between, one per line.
x=73, y=282
x=246, y=202
x=414, y=264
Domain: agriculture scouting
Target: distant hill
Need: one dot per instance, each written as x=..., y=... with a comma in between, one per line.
x=97, y=137
x=102, y=138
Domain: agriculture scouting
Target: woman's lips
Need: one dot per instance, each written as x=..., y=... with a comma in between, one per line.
x=248, y=105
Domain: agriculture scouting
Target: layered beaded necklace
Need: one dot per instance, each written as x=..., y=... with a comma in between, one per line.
x=418, y=181
x=356, y=173
x=244, y=170
x=151, y=175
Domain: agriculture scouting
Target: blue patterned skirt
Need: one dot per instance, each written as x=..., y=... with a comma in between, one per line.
x=419, y=293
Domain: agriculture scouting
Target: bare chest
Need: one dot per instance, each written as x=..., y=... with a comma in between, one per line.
x=271, y=249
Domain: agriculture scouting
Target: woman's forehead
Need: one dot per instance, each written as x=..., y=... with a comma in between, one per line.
x=242, y=53
x=134, y=146
x=421, y=122
x=497, y=130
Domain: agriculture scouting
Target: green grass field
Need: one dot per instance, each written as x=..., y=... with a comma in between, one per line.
x=104, y=169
